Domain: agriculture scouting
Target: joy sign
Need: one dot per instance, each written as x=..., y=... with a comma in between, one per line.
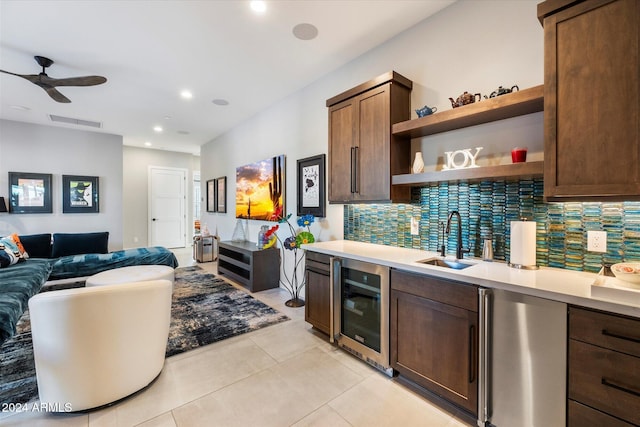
x=461, y=159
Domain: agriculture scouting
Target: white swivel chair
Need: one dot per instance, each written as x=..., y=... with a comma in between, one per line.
x=94, y=346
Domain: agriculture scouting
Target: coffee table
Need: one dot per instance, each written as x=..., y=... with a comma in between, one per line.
x=135, y=273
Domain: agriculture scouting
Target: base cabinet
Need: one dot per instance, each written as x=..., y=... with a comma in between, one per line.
x=604, y=369
x=317, y=308
x=434, y=336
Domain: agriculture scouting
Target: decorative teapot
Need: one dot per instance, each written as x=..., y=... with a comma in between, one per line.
x=464, y=99
x=425, y=111
x=502, y=91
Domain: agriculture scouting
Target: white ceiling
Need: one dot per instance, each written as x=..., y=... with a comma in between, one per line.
x=152, y=50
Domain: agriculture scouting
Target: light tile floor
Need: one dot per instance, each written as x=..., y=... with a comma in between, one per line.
x=283, y=375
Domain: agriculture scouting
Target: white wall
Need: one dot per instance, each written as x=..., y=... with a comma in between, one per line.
x=136, y=162
x=471, y=45
x=59, y=151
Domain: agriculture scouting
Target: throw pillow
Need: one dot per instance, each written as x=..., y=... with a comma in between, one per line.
x=10, y=251
x=80, y=243
x=23, y=253
x=37, y=245
x=5, y=259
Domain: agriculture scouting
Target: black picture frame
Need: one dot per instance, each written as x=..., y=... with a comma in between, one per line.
x=221, y=194
x=211, y=195
x=311, y=184
x=80, y=194
x=29, y=193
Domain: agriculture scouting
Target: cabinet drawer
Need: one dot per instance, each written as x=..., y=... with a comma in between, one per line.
x=580, y=415
x=436, y=289
x=318, y=257
x=605, y=379
x=318, y=267
x=605, y=330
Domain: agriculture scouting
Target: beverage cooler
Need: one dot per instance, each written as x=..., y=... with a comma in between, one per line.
x=205, y=248
x=361, y=311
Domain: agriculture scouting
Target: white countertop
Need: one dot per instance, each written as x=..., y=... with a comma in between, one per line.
x=572, y=287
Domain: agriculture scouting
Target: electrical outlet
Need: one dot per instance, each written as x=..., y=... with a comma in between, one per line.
x=415, y=227
x=597, y=241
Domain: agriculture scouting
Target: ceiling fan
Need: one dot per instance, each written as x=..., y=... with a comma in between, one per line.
x=49, y=84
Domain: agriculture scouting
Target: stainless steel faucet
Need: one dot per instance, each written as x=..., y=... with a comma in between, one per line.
x=460, y=251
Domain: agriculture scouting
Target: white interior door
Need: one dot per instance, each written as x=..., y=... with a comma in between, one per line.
x=167, y=207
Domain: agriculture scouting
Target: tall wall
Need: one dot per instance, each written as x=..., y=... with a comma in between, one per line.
x=135, y=203
x=59, y=151
x=469, y=46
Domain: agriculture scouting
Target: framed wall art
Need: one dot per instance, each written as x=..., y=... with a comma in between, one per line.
x=260, y=189
x=311, y=186
x=211, y=195
x=221, y=194
x=80, y=194
x=29, y=193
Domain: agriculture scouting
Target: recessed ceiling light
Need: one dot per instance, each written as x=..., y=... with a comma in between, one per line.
x=305, y=31
x=148, y=144
x=185, y=94
x=157, y=128
x=167, y=117
x=258, y=6
x=220, y=101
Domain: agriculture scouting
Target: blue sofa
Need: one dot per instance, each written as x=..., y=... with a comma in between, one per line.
x=72, y=255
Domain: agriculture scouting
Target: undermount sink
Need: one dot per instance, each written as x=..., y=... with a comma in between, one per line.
x=446, y=263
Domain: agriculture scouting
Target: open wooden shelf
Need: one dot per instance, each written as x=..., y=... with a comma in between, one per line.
x=515, y=170
x=525, y=101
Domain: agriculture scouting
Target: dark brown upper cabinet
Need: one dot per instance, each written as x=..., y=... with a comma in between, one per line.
x=363, y=153
x=591, y=99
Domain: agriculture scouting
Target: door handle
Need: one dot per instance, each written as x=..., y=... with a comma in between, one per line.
x=484, y=354
x=472, y=346
x=619, y=336
x=356, y=170
x=353, y=166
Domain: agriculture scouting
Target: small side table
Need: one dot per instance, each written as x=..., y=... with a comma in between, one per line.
x=204, y=248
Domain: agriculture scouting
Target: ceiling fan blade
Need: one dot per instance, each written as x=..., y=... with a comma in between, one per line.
x=57, y=96
x=73, y=81
x=31, y=77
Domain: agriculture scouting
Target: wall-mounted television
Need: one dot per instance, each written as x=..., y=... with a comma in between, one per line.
x=260, y=189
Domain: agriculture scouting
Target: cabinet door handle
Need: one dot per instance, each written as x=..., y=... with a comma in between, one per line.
x=353, y=167
x=355, y=172
x=613, y=384
x=622, y=337
x=472, y=371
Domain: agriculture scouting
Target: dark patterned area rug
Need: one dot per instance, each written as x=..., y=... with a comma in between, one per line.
x=205, y=309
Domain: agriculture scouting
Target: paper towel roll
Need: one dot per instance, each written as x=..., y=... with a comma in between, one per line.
x=523, y=244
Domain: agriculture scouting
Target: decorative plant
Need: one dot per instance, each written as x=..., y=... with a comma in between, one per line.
x=292, y=280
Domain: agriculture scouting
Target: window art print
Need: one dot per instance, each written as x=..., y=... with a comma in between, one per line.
x=29, y=193
x=80, y=194
x=311, y=186
x=211, y=195
x=221, y=194
x=260, y=189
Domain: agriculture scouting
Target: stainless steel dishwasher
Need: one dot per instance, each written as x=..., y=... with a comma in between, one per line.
x=523, y=356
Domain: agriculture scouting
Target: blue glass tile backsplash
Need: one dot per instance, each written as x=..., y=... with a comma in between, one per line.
x=487, y=209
